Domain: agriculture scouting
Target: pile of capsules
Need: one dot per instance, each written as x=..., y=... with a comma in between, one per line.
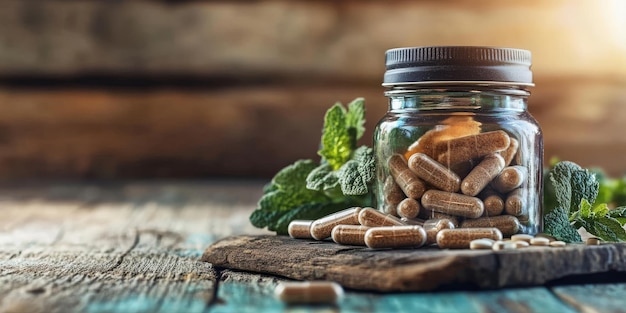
x=474, y=181
x=375, y=229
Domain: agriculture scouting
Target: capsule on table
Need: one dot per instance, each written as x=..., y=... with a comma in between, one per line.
x=507, y=224
x=472, y=147
x=510, y=152
x=510, y=178
x=482, y=174
x=374, y=218
x=453, y=203
x=434, y=226
x=309, y=292
x=514, y=204
x=395, y=237
x=460, y=238
x=322, y=228
x=353, y=235
x=434, y=173
x=408, y=208
x=300, y=229
x=410, y=184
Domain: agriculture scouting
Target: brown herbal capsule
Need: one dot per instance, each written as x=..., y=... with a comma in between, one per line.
x=426, y=214
x=395, y=237
x=510, y=178
x=514, y=204
x=410, y=184
x=434, y=173
x=412, y=221
x=374, y=218
x=309, y=292
x=434, y=226
x=482, y=174
x=300, y=229
x=472, y=147
x=408, y=208
x=322, y=228
x=453, y=203
x=510, y=152
x=393, y=195
x=460, y=238
x=494, y=205
x=507, y=224
x=353, y=235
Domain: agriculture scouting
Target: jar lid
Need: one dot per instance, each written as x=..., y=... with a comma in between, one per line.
x=459, y=64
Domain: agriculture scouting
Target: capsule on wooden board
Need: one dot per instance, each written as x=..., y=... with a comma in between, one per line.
x=482, y=174
x=411, y=185
x=453, y=203
x=434, y=226
x=374, y=218
x=510, y=177
x=507, y=224
x=460, y=238
x=434, y=173
x=395, y=237
x=300, y=229
x=472, y=147
x=353, y=235
x=322, y=228
x=309, y=292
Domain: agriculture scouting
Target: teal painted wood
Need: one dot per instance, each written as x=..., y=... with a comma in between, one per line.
x=245, y=292
x=594, y=297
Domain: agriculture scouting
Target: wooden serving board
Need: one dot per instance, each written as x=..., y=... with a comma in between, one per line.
x=411, y=269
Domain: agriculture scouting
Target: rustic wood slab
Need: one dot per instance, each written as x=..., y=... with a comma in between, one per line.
x=411, y=269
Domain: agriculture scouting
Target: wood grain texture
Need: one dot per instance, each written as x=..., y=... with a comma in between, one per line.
x=593, y=298
x=321, y=40
x=409, y=270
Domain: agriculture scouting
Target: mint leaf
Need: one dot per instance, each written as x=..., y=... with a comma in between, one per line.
x=556, y=224
x=605, y=228
x=601, y=210
x=355, y=117
x=337, y=140
x=350, y=180
x=585, y=208
x=570, y=184
x=322, y=178
x=619, y=214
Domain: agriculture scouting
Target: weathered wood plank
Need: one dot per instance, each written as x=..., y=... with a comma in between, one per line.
x=593, y=298
x=132, y=247
x=410, y=269
x=325, y=40
x=246, y=292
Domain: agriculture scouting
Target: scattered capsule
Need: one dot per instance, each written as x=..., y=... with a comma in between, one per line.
x=353, y=235
x=460, y=238
x=309, y=292
x=374, y=218
x=453, y=203
x=395, y=237
x=522, y=237
x=434, y=173
x=540, y=241
x=410, y=184
x=434, y=226
x=472, y=147
x=323, y=227
x=507, y=224
x=482, y=174
x=514, y=204
x=393, y=195
x=510, y=152
x=510, y=178
x=408, y=208
x=481, y=244
x=300, y=229
x=558, y=244
x=592, y=241
x=494, y=205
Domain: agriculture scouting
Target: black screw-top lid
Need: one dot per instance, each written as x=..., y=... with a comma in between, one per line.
x=428, y=65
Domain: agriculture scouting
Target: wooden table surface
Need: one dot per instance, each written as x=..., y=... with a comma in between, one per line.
x=135, y=247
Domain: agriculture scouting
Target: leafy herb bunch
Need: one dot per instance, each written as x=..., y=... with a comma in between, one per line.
x=343, y=178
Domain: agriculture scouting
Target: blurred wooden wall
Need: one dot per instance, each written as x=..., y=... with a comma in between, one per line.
x=131, y=89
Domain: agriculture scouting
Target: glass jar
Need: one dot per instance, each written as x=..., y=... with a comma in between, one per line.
x=458, y=141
